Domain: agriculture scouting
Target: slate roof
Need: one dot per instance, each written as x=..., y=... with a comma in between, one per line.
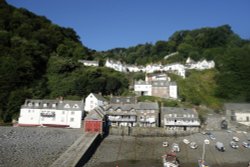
x=137, y=106
x=53, y=104
x=178, y=110
x=237, y=106
x=123, y=100
x=96, y=113
x=123, y=107
x=99, y=97
x=141, y=82
x=148, y=106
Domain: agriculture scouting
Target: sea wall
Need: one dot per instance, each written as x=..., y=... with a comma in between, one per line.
x=151, y=131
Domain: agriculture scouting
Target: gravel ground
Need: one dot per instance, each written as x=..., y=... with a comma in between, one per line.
x=34, y=146
x=130, y=151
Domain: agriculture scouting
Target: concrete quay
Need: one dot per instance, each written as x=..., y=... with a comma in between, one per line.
x=79, y=152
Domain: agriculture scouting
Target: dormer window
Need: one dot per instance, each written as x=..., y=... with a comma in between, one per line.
x=37, y=104
x=75, y=106
x=66, y=106
x=117, y=100
x=54, y=105
x=128, y=100
x=45, y=105
x=30, y=104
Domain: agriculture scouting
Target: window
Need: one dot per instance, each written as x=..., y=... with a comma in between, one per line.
x=54, y=105
x=128, y=100
x=75, y=106
x=66, y=106
x=37, y=104
x=30, y=104
x=91, y=102
x=72, y=112
x=45, y=105
x=31, y=118
x=71, y=119
x=63, y=112
x=117, y=100
x=62, y=119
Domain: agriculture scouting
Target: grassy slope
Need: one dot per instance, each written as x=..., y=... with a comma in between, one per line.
x=199, y=88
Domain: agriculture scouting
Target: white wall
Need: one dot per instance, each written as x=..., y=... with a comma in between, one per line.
x=173, y=91
x=62, y=117
x=147, y=89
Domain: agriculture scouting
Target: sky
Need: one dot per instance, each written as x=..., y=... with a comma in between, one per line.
x=108, y=24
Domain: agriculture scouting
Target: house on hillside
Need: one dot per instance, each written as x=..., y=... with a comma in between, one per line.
x=176, y=68
x=238, y=112
x=158, y=85
x=56, y=113
x=89, y=63
x=200, y=65
x=94, y=100
x=181, y=119
x=142, y=88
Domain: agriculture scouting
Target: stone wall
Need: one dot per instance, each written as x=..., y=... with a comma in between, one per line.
x=151, y=131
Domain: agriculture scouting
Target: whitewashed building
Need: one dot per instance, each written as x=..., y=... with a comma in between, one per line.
x=181, y=119
x=116, y=65
x=173, y=90
x=200, y=65
x=56, y=113
x=143, y=88
x=94, y=100
x=89, y=63
x=176, y=68
x=238, y=112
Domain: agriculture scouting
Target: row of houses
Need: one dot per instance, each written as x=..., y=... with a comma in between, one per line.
x=176, y=68
x=119, y=111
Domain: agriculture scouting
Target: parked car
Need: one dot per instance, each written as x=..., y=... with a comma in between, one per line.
x=236, y=139
x=186, y=141
x=165, y=144
x=203, y=132
x=175, y=147
x=246, y=144
x=234, y=144
x=193, y=145
x=212, y=136
x=220, y=146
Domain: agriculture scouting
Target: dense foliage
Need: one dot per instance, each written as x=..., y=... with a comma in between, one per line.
x=38, y=59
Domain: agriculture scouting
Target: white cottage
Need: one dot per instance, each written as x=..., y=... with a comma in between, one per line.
x=56, y=113
x=93, y=100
